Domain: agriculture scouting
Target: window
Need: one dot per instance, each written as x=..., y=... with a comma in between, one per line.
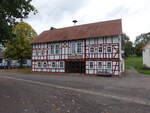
x=109, y=65
x=42, y=52
x=79, y=47
x=44, y=64
x=100, y=65
x=37, y=52
x=39, y=65
x=57, y=49
x=53, y=64
x=52, y=49
x=73, y=48
x=91, y=49
x=61, y=64
x=100, y=49
x=91, y=65
x=109, y=49
x=1, y=60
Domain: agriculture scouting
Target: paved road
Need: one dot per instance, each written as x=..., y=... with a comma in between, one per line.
x=49, y=93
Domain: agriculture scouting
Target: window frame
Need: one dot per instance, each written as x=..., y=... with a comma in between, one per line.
x=90, y=49
x=110, y=49
x=79, y=47
x=101, y=65
x=62, y=64
x=52, y=49
x=73, y=48
x=110, y=65
x=39, y=66
x=90, y=65
x=57, y=47
x=44, y=65
x=54, y=65
x=101, y=49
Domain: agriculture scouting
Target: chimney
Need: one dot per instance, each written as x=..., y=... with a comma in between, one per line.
x=52, y=28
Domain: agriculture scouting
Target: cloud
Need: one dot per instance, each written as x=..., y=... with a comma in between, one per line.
x=60, y=13
x=53, y=12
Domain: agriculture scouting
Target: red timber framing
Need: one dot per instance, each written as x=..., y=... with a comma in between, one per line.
x=103, y=49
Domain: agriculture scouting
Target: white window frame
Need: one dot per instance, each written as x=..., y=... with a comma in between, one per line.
x=54, y=63
x=90, y=65
x=61, y=66
x=73, y=48
x=52, y=50
x=38, y=64
x=90, y=49
x=57, y=47
x=101, y=49
x=44, y=63
x=110, y=65
x=101, y=65
x=79, y=47
x=110, y=49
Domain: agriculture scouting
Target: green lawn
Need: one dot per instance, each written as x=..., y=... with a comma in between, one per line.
x=135, y=62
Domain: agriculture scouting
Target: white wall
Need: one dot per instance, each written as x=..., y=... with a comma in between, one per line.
x=146, y=55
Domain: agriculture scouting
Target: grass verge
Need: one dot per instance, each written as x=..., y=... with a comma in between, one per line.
x=136, y=62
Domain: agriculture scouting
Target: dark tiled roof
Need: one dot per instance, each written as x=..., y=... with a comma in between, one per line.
x=99, y=29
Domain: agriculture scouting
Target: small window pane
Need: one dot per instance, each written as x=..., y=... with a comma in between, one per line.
x=109, y=49
x=100, y=65
x=57, y=49
x=109, y=65
x=79, y=47
x=91, y=65
x=73, y=47
x=39, y=65
x=61, y=64
x=100, y=49
x=91, y=49
x=52, y=49
x=44, y=64
x=53, y=64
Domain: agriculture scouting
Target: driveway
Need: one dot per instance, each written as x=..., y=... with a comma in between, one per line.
x=60, y=93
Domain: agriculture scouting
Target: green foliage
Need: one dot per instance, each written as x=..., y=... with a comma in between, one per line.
x=133, y=62
x=19, y=48
x=136, y=62
x=127, y=46
x=138, y=48
x=140, y=41
x=10, y=10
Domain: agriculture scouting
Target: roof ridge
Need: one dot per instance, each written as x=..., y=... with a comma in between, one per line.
x=85, y=24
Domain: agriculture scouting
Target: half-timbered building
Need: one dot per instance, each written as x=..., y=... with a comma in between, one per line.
x=89, y=49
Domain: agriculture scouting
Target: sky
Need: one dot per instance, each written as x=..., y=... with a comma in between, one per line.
x=135, y=14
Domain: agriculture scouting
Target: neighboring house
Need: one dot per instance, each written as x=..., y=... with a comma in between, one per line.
x=3, y=61
x=90, y=49
x=146, y=55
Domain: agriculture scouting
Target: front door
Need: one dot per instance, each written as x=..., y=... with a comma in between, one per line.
x=75, y=66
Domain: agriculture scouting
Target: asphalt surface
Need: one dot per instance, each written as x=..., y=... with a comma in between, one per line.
x=60, y=93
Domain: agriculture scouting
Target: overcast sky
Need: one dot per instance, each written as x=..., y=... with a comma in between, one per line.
x=135, y=14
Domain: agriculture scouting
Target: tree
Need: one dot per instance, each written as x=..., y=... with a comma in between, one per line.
x=140, y=41
x=19, y=48
x=10, y=11
x=127, y=46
